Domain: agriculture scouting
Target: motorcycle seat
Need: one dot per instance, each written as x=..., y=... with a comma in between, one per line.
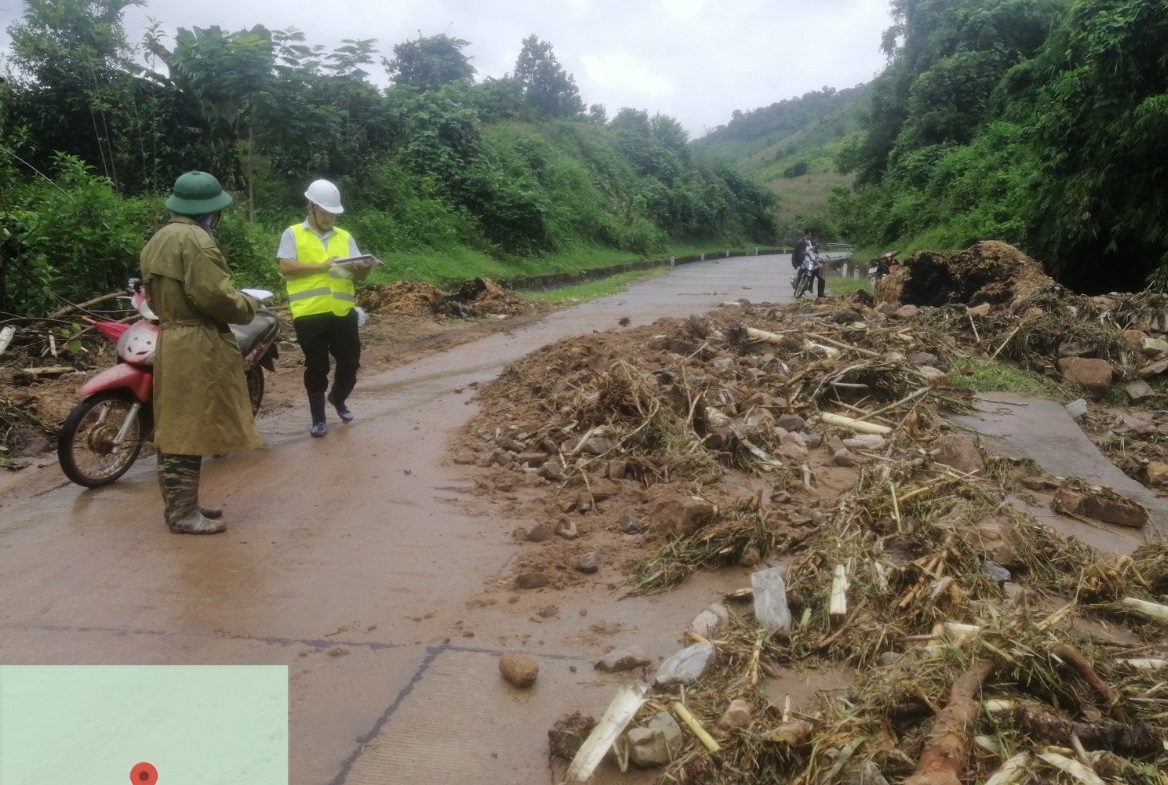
x=247, y=335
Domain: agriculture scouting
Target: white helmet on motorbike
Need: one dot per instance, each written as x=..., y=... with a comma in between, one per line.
x=136, y=345
x=326, y=196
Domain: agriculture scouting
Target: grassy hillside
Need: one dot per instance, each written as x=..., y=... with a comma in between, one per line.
x=790, y=147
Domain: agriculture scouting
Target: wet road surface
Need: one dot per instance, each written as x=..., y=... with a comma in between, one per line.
x=354, y=560
x=351, y=560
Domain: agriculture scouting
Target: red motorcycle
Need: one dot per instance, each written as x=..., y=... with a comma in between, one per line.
x=103, y=435
x=883, y=265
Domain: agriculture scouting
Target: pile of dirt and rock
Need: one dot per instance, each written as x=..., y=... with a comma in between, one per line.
x=474, y=298
x=416, y=298
x=812, y=443
x=484, y=297
x=988, y=272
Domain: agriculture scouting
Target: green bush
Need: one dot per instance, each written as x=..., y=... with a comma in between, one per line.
x=68, y=240
x=250, y=250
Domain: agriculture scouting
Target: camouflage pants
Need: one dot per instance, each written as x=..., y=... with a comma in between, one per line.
x=178, y=475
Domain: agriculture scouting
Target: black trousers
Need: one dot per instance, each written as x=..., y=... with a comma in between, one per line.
x=324, y=334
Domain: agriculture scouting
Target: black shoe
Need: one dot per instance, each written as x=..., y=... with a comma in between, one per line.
x=319, y=428
x=342, y=410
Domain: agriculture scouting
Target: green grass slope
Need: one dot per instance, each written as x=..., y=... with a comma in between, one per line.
x=790, y=147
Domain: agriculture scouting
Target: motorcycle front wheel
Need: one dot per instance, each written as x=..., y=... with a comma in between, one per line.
x=802, y=283
x=87, y=446
x=255, y=388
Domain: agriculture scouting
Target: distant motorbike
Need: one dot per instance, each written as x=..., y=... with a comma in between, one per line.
x=103, y=435
x=808, y=272
x=883, y=265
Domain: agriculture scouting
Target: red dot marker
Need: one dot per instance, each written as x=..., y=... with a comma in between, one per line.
x=143, y=774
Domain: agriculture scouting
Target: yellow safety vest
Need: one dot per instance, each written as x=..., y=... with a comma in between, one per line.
x=326, y=292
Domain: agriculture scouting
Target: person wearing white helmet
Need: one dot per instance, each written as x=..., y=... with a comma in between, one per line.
x=323, y=301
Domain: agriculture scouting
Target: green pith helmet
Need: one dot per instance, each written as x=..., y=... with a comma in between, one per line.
x=197, y=193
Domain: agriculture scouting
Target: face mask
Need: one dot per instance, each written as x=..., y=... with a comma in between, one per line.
x=208, y=222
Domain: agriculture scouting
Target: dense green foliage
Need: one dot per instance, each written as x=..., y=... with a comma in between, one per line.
x=1036, y=122
x=512, y=172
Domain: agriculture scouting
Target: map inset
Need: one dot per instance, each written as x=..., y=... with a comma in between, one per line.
x=143, y=724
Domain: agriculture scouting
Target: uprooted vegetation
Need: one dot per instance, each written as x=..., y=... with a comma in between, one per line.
x=817, y=437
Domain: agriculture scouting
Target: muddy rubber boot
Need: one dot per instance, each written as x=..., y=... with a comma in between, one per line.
x=339, y=404
x=178, y=476
x=316, y=407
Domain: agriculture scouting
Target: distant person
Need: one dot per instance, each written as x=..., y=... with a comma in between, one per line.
x=201, y=404
x=800, y=252
x=817, y=266
x=323, y=301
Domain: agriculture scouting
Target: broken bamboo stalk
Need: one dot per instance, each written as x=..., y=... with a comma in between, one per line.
x=974, y=326
x=1152, y=610
x=823, y=643
x=895, y=404
x=1072, y=767
x=1010, y=771
x=768, y=460
x=859, y=426
x=618, y=714
x=830, y=351
x=1146, y=663
x=838, y=604
x=762, y=336
x=583, y=439
x=959, y=633
x=895, y=506
x=6, y=336
x=1008, y=337
x=843, y=345
x=998, y=705
x=705, y=738
x=943, y=758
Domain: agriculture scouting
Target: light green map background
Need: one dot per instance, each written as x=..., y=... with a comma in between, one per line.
x=89, y=725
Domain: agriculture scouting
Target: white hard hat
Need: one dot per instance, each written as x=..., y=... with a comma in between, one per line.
x=325, y=195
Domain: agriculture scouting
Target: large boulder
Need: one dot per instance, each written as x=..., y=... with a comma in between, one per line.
x=1090, y=373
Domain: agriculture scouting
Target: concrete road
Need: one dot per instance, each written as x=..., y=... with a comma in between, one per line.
x=354, y=560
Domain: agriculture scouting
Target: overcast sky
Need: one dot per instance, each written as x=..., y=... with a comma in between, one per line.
x=694, y=60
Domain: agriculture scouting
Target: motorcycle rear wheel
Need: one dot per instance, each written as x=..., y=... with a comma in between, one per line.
x=85, y=446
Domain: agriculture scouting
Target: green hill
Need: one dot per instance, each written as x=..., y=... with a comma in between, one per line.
x=790, y=147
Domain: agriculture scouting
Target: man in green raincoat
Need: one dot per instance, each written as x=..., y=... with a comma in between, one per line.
x=201, y=405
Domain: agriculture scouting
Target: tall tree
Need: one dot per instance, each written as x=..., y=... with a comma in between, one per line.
x=547, y=89
x=74, y=65
x=429, y=63
x=226, y=73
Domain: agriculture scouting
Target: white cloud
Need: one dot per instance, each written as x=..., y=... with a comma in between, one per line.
x=623, y=73
x=694, y=60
